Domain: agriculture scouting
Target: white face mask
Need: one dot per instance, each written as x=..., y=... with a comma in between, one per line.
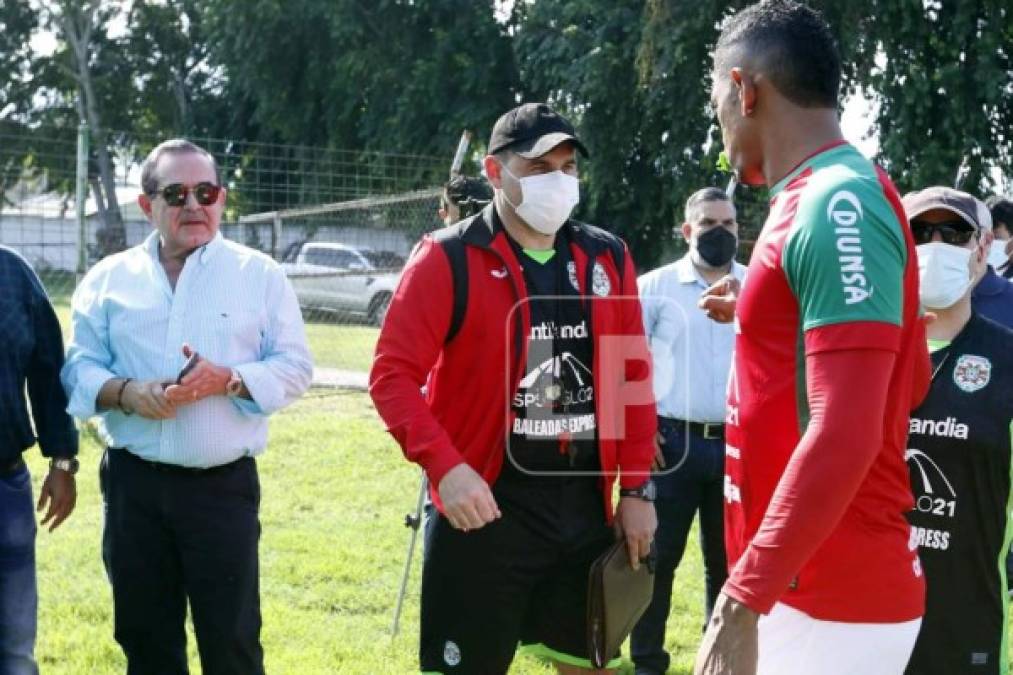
x=997, y=254
x=547, y=199
x=944, y=273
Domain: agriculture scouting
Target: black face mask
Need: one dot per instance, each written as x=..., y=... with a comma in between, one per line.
x=717, y=246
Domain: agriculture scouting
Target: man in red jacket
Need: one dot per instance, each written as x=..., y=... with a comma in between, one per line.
x=538, y=397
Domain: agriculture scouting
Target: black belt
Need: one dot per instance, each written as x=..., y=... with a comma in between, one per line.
x=11, y=467
x=705, y=430
x=178, y=469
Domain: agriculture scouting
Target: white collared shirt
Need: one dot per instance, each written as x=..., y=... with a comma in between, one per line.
x=232, y=304
x=692, y=354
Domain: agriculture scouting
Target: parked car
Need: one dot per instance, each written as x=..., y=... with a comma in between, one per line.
x=348, y=279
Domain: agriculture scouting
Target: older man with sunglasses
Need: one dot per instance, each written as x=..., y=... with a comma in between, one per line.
x=959, y=445
x=183, y=346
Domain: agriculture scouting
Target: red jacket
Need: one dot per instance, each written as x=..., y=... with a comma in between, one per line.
x=465, y=414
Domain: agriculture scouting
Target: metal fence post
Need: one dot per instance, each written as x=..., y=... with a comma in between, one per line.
x=276, y=235
x=80, y=196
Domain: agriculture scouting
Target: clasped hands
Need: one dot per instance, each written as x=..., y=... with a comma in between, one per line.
x=157, y=399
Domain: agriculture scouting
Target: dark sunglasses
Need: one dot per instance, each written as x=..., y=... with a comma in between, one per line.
x=176, y=194
x=955, y=232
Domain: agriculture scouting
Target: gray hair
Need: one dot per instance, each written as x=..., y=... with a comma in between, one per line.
x=174, y=146
x=707, y=194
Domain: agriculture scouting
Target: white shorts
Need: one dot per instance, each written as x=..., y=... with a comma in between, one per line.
x=793, y=643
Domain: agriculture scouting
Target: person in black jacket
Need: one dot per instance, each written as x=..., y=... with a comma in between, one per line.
x=1002, y=226
x=463, y=197
x=32, y=355
x=959, y=447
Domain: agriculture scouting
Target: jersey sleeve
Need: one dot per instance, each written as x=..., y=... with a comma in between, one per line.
x=844, y=260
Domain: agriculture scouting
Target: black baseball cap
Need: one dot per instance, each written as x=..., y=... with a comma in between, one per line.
x=531, y=130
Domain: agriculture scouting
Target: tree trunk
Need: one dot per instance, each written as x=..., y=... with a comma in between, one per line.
x=96, y=193
x=182, y=107
x=111, y=237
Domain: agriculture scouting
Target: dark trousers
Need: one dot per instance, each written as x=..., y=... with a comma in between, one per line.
x=1009, y=565
x=692, y=481
x=173, y=536
x=18, y=590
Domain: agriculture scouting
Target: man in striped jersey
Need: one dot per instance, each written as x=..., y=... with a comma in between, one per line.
x=829, y=361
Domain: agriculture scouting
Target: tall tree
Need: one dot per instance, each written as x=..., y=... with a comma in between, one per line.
x=405, y=76
x=78, y=24
x=634, y=77
x=179, y=92
x=386, y=75
x=17, y=22
x=944, y=84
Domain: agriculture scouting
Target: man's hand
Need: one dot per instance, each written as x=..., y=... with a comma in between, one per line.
x=206, y=379
x=147, y=399
x=659, y=458
x=59, y=492
x=730, y=645
x=467, y=500
x=718, y=301
x=636, y=521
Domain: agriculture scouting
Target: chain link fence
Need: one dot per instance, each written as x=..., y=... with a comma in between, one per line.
x=341, y=223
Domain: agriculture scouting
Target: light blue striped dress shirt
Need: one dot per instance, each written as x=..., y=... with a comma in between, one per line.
x=692, y=354
x=232, y=304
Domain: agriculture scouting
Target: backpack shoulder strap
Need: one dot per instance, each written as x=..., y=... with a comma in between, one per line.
x=618, y=252
x=450, y=241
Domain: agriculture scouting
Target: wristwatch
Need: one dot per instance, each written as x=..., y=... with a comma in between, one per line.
x=646, y=491
x=68, y=464
x=235, y=383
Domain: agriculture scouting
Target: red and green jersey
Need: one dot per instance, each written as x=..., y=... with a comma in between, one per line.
x=834, y=268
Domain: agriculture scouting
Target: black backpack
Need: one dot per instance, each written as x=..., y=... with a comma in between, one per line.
x=451, y=240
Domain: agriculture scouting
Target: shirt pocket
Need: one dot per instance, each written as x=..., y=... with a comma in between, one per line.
x=231, y=337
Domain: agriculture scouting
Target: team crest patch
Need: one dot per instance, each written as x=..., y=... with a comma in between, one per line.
x=571, y=268
x=451, y=653
x=600, y=283
x=972, y=372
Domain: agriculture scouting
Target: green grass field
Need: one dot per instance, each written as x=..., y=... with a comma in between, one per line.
x=344, y=346
x=335, y=491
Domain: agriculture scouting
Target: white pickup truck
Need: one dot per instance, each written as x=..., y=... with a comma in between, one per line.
x=345, y=279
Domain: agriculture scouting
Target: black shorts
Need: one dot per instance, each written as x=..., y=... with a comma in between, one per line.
x=521, y=579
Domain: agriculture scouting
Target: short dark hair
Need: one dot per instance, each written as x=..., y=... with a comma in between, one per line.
x=707, y=194
x=468, y=194
x=791, y=44
x=1001, y=209
x=173, y=146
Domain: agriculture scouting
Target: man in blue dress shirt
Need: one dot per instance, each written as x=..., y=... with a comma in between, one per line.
x=30, y=361
x=692, y=356
x=178, y=479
